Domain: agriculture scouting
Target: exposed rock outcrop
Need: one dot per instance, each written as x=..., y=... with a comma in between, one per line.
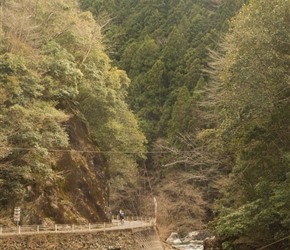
x=80, y=193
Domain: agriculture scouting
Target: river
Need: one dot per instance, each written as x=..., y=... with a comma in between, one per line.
x=191, y=246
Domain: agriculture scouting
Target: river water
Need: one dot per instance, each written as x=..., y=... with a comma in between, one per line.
x=191, y=246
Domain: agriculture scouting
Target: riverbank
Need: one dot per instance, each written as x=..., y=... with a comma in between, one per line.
x=194, y=240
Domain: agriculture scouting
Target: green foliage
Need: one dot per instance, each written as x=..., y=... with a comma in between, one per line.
x=27, y=123
x=181, y=115
x=62, y=75
x=97, y=7
x=175, y=48
x=151, y=89
x=112, y=124
x=163, y=47
x=145, y=57
x=253, y=102
x=12, y=183
x=54, y=68
x=169, y=32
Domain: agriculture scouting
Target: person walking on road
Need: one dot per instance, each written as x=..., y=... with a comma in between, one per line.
x=121, y=216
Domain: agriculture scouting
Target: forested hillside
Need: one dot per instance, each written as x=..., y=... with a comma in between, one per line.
x=62, y=114
x=112, y=103
x=210, y=87
x=252, y=93
x=164, y=46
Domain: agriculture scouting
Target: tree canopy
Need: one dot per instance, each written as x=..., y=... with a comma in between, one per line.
x=205, y=82
x=53, y=66
x=253, y=101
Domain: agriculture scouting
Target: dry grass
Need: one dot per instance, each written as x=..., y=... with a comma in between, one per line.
x=181, y=206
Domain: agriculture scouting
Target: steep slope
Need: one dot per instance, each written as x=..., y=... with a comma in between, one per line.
x=164, y=48
x=62, y=104
x=81, y=193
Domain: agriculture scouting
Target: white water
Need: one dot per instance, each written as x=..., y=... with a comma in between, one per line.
x=191, y=246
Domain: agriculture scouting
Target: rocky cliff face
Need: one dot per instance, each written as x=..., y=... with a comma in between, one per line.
x=80, y=191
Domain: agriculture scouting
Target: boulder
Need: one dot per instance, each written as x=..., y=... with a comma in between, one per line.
x=173, y=236
x=196, y=236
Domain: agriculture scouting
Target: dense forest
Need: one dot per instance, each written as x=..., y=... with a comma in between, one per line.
x=165, y=48
x=210, y=86
x=118, y=102
x=62, y=109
